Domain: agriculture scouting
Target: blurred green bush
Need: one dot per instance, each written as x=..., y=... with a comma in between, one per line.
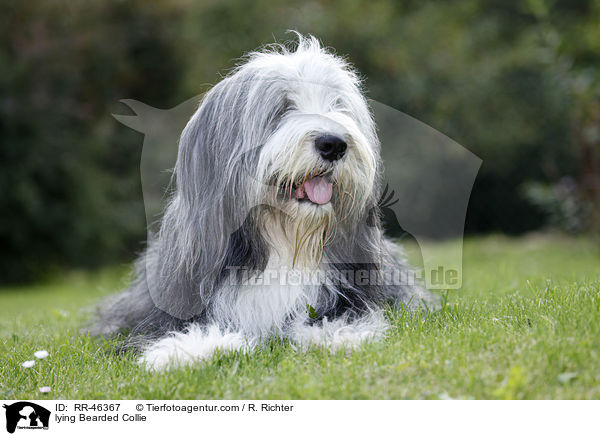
x=514, y=82
x=69, y=184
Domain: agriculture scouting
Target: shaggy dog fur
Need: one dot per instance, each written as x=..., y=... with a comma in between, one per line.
x=273, y=217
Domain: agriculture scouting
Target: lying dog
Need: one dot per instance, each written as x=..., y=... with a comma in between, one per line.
x=273, y=227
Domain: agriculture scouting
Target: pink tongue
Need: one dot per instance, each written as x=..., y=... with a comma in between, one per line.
x=318, y=190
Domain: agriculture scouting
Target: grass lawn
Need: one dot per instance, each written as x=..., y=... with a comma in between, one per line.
x=525, y=325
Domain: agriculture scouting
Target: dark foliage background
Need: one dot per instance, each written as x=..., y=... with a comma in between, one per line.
x=517, y=83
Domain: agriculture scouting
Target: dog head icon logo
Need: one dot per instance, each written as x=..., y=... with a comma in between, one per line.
x=24, y=414
x=428, y=181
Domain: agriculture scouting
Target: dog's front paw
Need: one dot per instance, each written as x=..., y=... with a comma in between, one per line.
x=157, y=358
x=167, y=354
x=194, y=345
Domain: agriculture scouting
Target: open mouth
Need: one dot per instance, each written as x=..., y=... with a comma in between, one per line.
x=317, y=190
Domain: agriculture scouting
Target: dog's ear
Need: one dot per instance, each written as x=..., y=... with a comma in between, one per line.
x=210, y=202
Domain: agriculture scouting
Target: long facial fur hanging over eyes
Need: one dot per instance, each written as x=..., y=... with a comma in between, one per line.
x=273, y=218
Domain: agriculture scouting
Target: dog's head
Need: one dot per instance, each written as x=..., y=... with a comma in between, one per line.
x=319, y=148
x=289, y=130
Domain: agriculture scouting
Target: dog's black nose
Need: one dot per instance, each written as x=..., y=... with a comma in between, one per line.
x=331, y=147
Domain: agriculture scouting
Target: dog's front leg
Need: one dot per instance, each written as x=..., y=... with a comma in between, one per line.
x=342, y=332
x=195, y=344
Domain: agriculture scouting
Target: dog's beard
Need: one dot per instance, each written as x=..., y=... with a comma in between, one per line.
x=312, y=199
x=308, y=208
x=298, y=240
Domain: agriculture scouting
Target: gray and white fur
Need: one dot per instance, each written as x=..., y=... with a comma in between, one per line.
x=253, y=192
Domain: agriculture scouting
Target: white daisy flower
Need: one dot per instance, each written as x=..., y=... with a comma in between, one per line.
x=41, y=354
